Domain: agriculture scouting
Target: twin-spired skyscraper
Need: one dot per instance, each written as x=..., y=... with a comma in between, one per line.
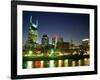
x=33, y=31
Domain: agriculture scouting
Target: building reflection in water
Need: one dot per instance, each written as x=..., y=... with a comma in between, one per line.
x=73, y=63
x=56, y=63
x=42, y=62
x=52, y=64
x=86, y=61
x=79, y=62
x=66, y=63
x=29, y=64
x=59, y=63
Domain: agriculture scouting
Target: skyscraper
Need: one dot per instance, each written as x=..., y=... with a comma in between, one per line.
x=54, y=41
x=60, y=43
x=45, y=40
x=32, y=41
x=33, y=31
x=60, y=40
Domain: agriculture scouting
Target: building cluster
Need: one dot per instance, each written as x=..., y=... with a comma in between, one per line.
x=58, y=46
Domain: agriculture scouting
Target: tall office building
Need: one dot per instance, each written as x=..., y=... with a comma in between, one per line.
x=86, y=44
x=60, y=40
x=33, y=31
x=60, y=43
x=45, y=40
x=54, y=41
x=32, y=41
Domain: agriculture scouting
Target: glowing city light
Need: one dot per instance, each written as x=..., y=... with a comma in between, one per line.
x=66, y=62
x=42, y=63
x=52, y=63
x=85, y=39
x=52, y=51
x=79, y=62
x=29, y=64
x=59, y=63
x=30, y=52
x=86, y=61
x=73, y=63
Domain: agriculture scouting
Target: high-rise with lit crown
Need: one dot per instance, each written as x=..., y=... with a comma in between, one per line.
x=33, y=31
x=32, y=41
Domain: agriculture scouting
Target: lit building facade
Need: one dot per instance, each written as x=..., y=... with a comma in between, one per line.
x=85, y=44
x=33, y=31
x=32, y=41
x=45, y=40
x=60, y=40
x=54, y=41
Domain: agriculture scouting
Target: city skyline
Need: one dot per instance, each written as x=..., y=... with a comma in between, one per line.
x=57, y=24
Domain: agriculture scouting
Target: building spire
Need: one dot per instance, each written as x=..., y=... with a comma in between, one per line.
x=37, y=22
x=31, y=19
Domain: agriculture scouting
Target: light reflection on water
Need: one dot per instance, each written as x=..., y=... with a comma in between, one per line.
x=59, y=63
x=29, y=64
x=56, y=63
x=42, y=62
x=66, y=62
x=73, y=63
x=52, y=63
x=79, y=62
x=87, y=61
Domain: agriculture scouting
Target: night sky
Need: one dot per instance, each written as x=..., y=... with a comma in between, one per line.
x=70, y=26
